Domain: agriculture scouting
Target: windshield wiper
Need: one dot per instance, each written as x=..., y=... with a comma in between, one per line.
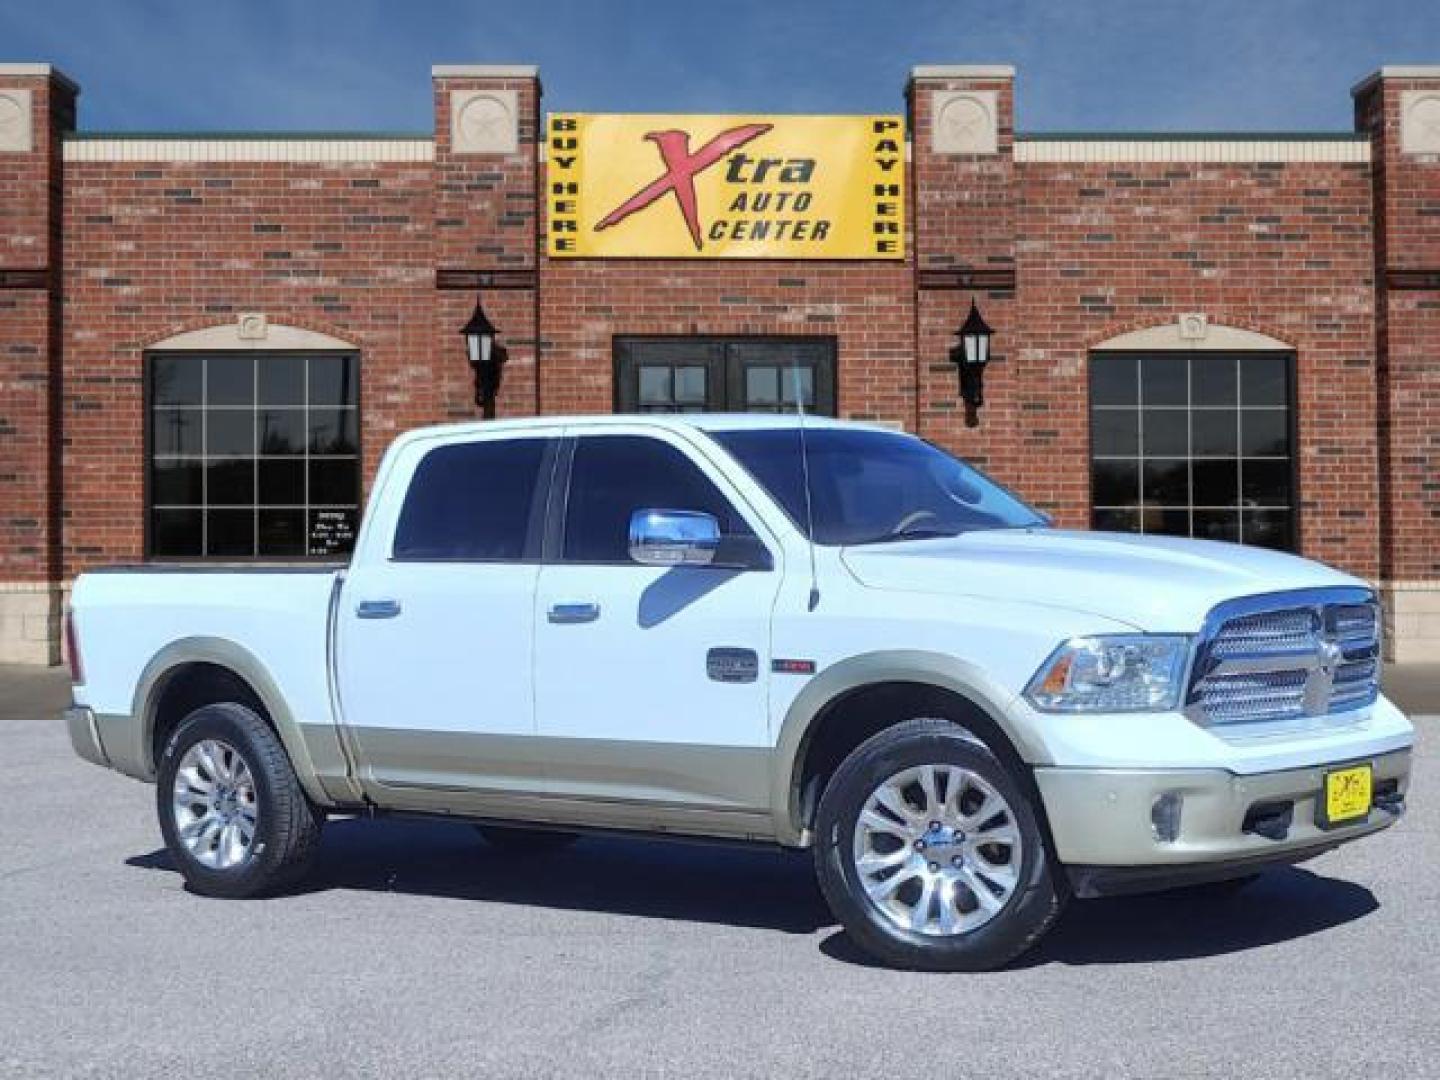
x=919, y=533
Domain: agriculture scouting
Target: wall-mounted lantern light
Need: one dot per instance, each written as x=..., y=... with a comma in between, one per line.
x=971, y=355
x=487, y=357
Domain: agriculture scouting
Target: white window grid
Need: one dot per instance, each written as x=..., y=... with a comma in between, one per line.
x=1240, y=507
x=255, y=506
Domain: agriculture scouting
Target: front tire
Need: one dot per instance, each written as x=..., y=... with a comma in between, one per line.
x=929, y=852
x=232, y=811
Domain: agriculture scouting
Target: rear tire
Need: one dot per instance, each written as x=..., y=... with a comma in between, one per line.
x=930, y=854
x=232, y=811
x=521, y=841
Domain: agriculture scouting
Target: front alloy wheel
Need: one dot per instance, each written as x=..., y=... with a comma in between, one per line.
x=938, y=849
x=930, y=853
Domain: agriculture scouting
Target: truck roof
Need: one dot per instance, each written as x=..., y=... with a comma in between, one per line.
x=706, y=422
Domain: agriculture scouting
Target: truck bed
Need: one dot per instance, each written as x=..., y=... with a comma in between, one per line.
x=278, y=614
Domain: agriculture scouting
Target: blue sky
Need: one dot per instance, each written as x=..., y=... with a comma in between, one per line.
x=364, y=64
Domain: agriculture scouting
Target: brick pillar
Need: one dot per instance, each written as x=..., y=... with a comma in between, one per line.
x=1400, y=108
x=486, y=235
x=964, y=191
x=37, y=105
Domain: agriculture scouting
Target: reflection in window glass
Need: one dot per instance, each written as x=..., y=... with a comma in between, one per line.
x=175, y=381
x=654, y=386
x=669, y=389
x=614, y=476
x=867, y=487
x=177, y=431
x=773, y=389
x=1114, y=381
x=280, y=381
x=253, y=456
x=803, y=379
x=1193, y=444
x=690, y=385
x=229, y=381
x=280, y=431
x=471, y=502
x=762, y=386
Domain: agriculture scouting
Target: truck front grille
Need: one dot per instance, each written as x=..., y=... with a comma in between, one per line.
x=1281, y=660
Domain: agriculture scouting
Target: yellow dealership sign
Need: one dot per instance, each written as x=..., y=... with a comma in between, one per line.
x=725, y=187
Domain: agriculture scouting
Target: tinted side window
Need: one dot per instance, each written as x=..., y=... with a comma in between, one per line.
x=613, y=476
x=471, y=501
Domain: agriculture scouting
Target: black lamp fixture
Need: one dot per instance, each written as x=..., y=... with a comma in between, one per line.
x=487, y=357
x=971, y=355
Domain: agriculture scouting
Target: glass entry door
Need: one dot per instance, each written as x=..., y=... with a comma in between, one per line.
x=760, y=375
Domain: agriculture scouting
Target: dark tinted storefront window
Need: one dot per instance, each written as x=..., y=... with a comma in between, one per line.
x=253, y=455
x=1194, y=445
x=472, y=502
x=703, y=374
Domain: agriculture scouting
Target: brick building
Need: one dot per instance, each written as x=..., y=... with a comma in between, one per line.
x=207, y=341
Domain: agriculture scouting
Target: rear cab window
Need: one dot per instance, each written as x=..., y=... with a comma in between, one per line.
x=480, y=501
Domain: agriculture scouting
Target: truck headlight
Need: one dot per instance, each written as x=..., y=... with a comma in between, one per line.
x=1114, y=673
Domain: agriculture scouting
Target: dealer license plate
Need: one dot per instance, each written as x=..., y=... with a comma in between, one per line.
x=1347, y=795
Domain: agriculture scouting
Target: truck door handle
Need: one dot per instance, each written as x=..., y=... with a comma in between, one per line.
x=378, y=609
x=573, y=613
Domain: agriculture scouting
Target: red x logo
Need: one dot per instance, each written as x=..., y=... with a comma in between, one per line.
x=681, y=168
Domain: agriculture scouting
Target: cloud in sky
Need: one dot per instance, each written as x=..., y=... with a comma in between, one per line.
x=364, y=64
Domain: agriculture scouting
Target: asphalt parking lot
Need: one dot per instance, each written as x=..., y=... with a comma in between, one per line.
x=417, y=951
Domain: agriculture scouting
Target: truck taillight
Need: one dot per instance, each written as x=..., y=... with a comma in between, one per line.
x=72, y=649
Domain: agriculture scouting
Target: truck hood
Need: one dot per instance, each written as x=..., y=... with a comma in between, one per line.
x=1154, y=583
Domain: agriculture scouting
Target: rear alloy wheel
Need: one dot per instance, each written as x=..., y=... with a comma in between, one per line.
x=930, y=853
x=232, y=810
x=214, y=805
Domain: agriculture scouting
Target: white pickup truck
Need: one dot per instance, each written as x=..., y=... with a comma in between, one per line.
x=826, y=635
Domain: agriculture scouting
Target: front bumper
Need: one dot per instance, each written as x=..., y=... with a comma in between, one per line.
x=1107, y=817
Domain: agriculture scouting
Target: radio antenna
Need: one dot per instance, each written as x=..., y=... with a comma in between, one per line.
x=805, y=478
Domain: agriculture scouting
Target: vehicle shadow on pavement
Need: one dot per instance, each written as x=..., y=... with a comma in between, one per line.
x=732, y=884
x=1284, y=904
x=762, y=888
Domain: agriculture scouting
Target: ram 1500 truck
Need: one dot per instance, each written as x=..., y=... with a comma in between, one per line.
x=808, y=633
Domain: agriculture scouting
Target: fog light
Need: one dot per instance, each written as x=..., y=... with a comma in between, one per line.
x=1165, y=818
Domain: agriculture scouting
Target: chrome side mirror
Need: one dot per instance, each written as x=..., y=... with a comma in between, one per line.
x=673, y=537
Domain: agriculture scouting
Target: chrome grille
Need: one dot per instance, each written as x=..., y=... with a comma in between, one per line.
x=1245, y=698
x=1285, y=657
x=1268, y=632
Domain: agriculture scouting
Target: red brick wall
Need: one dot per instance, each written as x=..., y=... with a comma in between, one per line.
x=964, y=204
x=866, y=306
x=154, y=249
x=30, y=252
x=1065, y=256
x=1101, y=249
x=349, y=249
x=1407, y=210
x=1281, y=249
x=486, y=218
x=965, y=228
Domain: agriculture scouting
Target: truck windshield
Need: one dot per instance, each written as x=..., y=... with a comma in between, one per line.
x=872, y=487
